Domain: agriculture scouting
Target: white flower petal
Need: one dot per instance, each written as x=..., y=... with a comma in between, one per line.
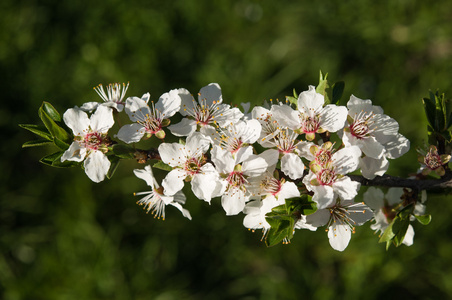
x=131, y=133
x=77, y=120
x=173, y=182
x=169, y=103
x=409, y=236
x=373, y=197
x=359, y=214
x=310, y=101
x=137, y=107
x=394, y=195
x=371, y=167
x=223, y=160
x=89, y=106
x=147, y=175
x=233, y=201
x=333, y=117
x=74, y=153
x=345, y=188
x=319, y=218
x=184, y=212
x=254, y=166
x=96, y=166
x=371, y=147
x=323, y=195
x=386, y=128
x=210, y=93
x=396, y=147
x=292, y=166
x=286, y=116
x=207, y=185
x=288, y=190
x=339, y=236
x=172, y=154
x=184, y=128
x=346, y=160
x=197, y=142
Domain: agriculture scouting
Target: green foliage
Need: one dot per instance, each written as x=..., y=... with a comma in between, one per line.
x=282, y=219
x=438, y=110
x=162, y=166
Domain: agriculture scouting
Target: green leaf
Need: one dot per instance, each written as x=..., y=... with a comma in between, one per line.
x=54, y=129
x=448, y=109
x=395, y=232
x=162, y=166
x=424, y=219
x=406, y=212
x=114, y=165
x=338, y=90
x=38, y=130
x=388, y=234
x=60, y=144
x=278, y=210
x=281, y=229
x=400, y=228
x=323, y=85
x=123, y=151
x=429, y=108
x=308, y=207
x=440, y=122
x=54, y=160
x=51, y=111
x=292, y=100
x=37, y=143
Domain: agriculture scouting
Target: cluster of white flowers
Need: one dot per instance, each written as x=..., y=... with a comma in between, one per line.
x=305, y=147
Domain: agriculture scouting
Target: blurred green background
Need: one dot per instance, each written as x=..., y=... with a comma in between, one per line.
x=65, y=237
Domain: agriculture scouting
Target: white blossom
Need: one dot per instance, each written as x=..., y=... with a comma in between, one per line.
x=90, y=140
x=311, y=117
x=148, y=120
x=207, y=111
x=189, y=164
x=340, y=217
x=155, y=200
x=112, y=97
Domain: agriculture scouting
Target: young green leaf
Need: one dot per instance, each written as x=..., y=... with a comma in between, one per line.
x=338, y=90
x=424, y=219
x=51, y=111
x=123, y=151
x=36, y=143
x=162, y=166
x=323, y=85
x=54, y=129
x=38, y=130
x=280, y=230
x=114, y=165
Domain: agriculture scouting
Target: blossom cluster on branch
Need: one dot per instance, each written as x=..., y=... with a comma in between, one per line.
x=285, y=165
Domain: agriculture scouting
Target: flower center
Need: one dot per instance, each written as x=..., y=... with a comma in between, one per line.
x=151, y=120
x=309, y=124
x=93, y=141
x=115, y=93
x=192, y=166
x=286, y=141
x=432, y=160
x=203, y=113
x=270, y=185
x=237, y=179
x=340, y=215
x=361, y=126
x=323, y=157
x=327, y=176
